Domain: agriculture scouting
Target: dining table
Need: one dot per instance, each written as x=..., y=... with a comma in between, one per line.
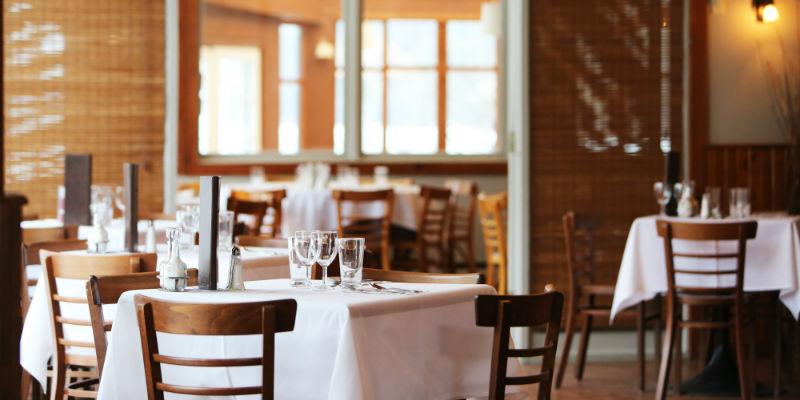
x=772, y=264
x=36, y=341
x=345, y=345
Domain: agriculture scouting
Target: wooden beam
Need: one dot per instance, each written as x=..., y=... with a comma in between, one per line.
x=188, y=84
x=698, y=92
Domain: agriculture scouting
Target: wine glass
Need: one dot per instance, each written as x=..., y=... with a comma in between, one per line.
x=304, y=249
x=119, y=199
x=325, y=252
x=662, y=193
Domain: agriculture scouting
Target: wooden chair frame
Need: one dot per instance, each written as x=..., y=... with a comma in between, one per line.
x=430, y=230
x=265, y=318
x=420, y=277
x=261, y=241
x=579, y=233
x=504, y=312
x=374, y=230
x=492, y=209
x=258, y=209
x=33, y=235
x=274, y=200
x=461, y=228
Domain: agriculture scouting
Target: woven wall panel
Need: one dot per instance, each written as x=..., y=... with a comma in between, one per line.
x=83, y=76
x=598, y=117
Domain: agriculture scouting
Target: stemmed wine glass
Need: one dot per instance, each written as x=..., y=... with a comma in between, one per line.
x=325, y=251
x=304, y=244
x=662, y=193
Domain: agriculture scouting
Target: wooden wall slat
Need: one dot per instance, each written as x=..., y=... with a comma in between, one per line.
x=759, y=167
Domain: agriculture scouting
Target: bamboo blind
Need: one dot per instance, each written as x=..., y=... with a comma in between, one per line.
x=606, y=81
x=83, y=76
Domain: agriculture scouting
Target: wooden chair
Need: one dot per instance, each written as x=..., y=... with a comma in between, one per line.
x=261, y=241
x=492, y=209
x=504, y=312
x=79, y=266
x=105, y=290
x=157, y=216
x=265, y=318
x=374, y=230
x=419, y=277
x=274, y=212
x=256, y=209
x=31, y=235
x=705, y=296
x=463, y=201
x=429, y=234
x=579, y=233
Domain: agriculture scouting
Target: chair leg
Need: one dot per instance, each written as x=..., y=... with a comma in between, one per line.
x=586, y=329
x=678, y=354
x=58, y=382
x=657, y=329
x=568, y=333
x=776, y=354
x=640, y=342
x=741, y=357
x=666, y=358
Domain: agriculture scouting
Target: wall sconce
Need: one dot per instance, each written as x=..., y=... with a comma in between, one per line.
x=324, y=50
x=765, y=11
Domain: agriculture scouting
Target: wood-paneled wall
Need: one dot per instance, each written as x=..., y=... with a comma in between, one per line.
x=83, y=76
x=759, y=167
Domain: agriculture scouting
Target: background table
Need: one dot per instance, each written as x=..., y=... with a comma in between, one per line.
x=772, y=261
x=344, y=346
x=36, y=342
x=115, y=229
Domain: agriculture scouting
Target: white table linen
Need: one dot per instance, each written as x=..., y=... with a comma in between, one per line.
x=36, y=342
x=115, y=229
x=344, y=345
x=772, y=262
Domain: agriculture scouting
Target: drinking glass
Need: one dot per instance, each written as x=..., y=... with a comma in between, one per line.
x=662, y=193
x=297, y=273
x=739, y=204
x=351, y=259
x=713, y=201
x=119, y=198
x=225, y=230
x=304, y=250
x=189, y=218
x=325, y=252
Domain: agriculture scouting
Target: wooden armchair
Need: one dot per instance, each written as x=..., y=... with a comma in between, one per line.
x=463, y=201
x=429, y=235
x=492, y=210
x=265, y=318
x=375, y=229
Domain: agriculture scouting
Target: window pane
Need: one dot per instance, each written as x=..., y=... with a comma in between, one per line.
x=411, y=112
x=289, y=47
x=469, y=46
x=338, y=124
x=372, y=44
x=412, y=42
x=289, y=123
x=471, y=112
x=372, y=112
x=339, y=49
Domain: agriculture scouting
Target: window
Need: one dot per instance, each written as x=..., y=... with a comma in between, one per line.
x=289, y=46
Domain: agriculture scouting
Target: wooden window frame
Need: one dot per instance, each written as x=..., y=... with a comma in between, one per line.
x=190, y=162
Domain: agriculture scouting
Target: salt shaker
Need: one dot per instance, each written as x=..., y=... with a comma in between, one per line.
x=235, y=273
x=150, y=239
x=172, y=271
x=97, y=241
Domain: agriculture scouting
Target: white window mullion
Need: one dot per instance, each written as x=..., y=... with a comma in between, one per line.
x=351, y=10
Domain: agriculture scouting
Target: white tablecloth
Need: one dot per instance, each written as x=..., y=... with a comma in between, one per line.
x=344, y=345
x=116, y=230
x=772, y=262
x=36, y=342
x=314, y=209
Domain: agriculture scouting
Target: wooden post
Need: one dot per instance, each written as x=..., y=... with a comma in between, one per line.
x=131, y=172
x=209, y=225
x=77, y=189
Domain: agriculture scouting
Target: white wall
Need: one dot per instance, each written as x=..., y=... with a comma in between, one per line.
x=740, y=105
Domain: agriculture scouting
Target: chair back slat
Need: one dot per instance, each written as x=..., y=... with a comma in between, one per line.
x=261, y=241
x=579, y=234
x=492, y=211
x=274, y=207
x=420, y=277
x=374, y=229
x=32, y=235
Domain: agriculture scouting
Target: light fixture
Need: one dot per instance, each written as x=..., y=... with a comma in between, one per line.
x=765, y=11
x=324, y=50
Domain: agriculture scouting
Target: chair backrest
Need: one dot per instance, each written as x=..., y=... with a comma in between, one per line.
x=157, y=216
x=257, y=209
x=433, y=215
x=420, y=277
x=81, y=266
x=492, y=209
x=504, y=312
x=274, y=200
x=708, y=232
x=265, y=318
x=579, y=243
x=30, y=256
x=32, y=235
x=374, y=229
x=261, y=241
x=106, y=289
x=463, y=201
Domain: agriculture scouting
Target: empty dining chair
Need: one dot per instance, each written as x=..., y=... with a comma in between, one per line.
x=261, y=241
x=105, y=290
x=351, y=220
x=579, y=239
x=420, y=277
x=694, y=281
x=463, y=201
x=504, y=312
x=255, y=210
x=67, y=354
x=229, y=319
x=31, y=235
x=492, y=209
x=429, y=236
x=271, y=225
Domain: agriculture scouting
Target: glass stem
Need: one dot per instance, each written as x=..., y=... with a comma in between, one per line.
x=324, y=277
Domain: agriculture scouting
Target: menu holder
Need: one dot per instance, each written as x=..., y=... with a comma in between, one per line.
x=672, y=170
x=77, y=189
x=131, y=172
x=209, y=226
